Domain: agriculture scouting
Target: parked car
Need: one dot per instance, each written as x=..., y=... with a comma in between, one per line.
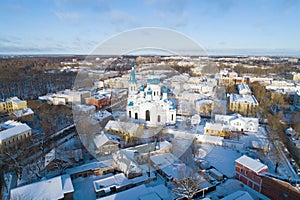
x=292, y=161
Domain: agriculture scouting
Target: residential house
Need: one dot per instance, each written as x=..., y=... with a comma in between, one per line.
x=94, y=168
x=124, y=129
x=237, y=122
x=217, y=129
x=118, y=183
x=106, y=144
x=24, y=114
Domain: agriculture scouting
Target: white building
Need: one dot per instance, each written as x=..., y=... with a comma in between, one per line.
x=66, y=97
x=151, y=104
x=23, y=113
x=13, y=132
x=59, y=187
x=73, y=96
x=237, y=122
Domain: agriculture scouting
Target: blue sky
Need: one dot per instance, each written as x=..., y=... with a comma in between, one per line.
x=78, y=26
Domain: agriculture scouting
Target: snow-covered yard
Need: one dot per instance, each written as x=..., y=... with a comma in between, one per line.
x=231, y=186
x=222, y=158
x=84, y=188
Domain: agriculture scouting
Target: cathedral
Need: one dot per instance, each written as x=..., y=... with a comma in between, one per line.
x=150, y=104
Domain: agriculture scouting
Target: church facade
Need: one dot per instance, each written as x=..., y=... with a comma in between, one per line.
x=150, y=104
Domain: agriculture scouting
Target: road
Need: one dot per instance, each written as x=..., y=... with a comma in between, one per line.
x=278, y=145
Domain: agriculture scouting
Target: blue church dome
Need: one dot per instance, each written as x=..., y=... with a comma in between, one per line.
x=149, y=91
x=142, y=89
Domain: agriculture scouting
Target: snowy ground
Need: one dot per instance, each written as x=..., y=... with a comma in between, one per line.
x=84, y=188
x=231, y=186
x=222, y=158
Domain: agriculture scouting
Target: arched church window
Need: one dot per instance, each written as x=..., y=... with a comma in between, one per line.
x=129, y=113
x=147, y=115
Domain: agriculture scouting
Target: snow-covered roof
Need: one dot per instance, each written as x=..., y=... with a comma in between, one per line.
x=91, y=166
x=145, y=148
x=12, y=128
x=132, y=194
x=118, y=180
x=244, y=88
x=125, y=126
x=251, y=164
x=243, y=98
x=203, y=102
x=232, y=117
x=15, y=100
x=169, y=164
x=216, y=126
x=67, y=185
x=101, y=115
x=24, y=112
x=55, y=154
x=209, y=139
x=126, y=163
x=102, y=139
x=84, y=108
x=238, y=195
x=53, y=188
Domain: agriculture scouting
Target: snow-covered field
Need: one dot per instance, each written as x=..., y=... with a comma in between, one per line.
x=222, y=158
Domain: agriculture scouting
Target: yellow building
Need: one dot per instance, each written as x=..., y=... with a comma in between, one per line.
x=217, y=129
x=229, y=81
x=125, y=130
x=12, y=133
x=246, y=105
x=11, y=104
x=296, y=77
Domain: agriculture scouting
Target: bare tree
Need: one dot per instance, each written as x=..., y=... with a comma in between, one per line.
x=187, y=187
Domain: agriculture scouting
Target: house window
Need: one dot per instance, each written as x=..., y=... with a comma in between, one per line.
x=147, y=115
